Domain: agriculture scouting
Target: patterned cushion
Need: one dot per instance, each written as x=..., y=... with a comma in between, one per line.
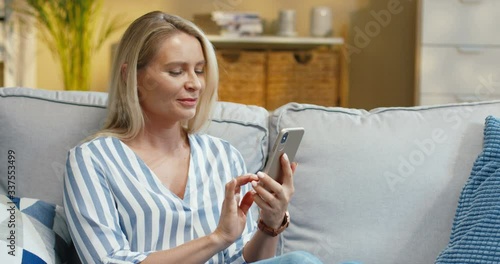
x=475, y=235
x=32, y=231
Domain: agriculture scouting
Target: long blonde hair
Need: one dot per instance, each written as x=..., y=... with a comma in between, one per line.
x=138, y=46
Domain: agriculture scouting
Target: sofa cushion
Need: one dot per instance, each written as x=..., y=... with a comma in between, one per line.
x=40, y=126
x=33, y=231
x=476, y=228
x=379, y=186
x=245, y=127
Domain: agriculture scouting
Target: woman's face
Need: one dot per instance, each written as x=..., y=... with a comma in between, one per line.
x=171, y=84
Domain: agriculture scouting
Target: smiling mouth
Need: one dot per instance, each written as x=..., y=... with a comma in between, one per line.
x=188, y=101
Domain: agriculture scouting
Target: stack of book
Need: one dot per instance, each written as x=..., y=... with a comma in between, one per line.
x=230, y=23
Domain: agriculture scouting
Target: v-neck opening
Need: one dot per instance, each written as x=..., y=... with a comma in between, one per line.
x=157, y=180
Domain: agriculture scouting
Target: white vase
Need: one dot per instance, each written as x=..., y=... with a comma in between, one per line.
x=286, y=23
x=321, y=21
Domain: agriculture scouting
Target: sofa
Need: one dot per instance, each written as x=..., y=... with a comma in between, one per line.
x=378, y=186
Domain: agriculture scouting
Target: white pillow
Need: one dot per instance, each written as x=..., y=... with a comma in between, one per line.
x=32, y=231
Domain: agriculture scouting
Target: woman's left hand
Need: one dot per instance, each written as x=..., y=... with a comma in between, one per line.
x=273, y=197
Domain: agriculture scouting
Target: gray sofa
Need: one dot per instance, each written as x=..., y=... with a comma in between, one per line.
x=377, y=186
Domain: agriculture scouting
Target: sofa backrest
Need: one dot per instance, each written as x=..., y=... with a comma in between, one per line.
x=40, y=126
x=379, y=186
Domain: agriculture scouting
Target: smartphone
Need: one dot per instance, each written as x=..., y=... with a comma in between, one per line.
x=288, y=142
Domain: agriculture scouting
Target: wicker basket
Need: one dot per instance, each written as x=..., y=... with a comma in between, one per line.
x=304, y=77
x=242, y=76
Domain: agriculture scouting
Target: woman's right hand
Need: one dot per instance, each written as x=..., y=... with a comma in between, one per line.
x=233, y=213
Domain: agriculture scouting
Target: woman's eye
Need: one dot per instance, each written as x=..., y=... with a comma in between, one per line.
x=175, y=73
x=200, y=71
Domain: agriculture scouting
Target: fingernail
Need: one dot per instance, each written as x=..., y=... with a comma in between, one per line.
x=260, y=174
x=254, y=183
x=237, y=196
x=285, y=156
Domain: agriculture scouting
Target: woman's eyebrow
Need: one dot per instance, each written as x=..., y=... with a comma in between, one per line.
x=180, y=63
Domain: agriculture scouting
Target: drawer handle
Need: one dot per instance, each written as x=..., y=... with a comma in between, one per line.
x=470, y=2
x=302, y=57
x=470, y=50
x=231, y=57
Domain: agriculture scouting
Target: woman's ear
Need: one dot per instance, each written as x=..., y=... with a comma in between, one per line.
x=123, y=72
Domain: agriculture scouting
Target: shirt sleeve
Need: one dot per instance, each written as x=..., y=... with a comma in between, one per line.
x=91, y=213
x=234, y=253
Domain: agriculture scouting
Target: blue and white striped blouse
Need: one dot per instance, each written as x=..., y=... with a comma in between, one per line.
x=119, y=212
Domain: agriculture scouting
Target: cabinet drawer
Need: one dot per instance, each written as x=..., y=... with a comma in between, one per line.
x=310, y=77
x=434, y=99
x=474, y=22
x=452, y=70
x=242, y=76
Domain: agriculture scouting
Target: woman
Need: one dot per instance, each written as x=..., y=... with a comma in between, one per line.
x=148, y=188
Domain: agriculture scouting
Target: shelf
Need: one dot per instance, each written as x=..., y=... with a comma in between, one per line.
x=260, y=42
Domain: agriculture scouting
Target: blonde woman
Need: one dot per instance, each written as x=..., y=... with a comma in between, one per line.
x=148, y=188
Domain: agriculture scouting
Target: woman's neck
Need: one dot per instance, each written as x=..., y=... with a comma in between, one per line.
x=164, y=139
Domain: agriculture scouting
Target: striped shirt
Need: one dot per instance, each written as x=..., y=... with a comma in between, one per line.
x=118, y=211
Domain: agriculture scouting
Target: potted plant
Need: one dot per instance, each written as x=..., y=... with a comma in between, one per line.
x=73, y=30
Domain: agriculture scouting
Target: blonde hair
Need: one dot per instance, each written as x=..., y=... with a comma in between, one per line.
x=138, y=46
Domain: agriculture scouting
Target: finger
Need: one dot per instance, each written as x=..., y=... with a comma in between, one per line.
x=237, y=197
x=266, y=194
x=286, y=168
x=261, y=203
x=294, y=166
x=239, y=181
x=246, y=202
x=269, y=183
x=244, y=179
x=229, y=194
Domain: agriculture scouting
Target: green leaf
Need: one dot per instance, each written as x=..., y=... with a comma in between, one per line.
x=73, y=31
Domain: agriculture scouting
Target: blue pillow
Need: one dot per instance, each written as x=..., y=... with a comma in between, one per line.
x=475, y=235
x=32, y=231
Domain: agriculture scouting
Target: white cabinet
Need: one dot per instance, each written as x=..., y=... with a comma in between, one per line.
x=458, y=51
x=17, y=49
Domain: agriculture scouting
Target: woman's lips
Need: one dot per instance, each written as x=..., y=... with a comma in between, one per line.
x=188, y=101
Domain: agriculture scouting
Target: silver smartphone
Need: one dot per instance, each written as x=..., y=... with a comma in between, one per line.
x=288, y=142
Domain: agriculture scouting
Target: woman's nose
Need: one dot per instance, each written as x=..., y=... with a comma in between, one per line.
x=194, y=81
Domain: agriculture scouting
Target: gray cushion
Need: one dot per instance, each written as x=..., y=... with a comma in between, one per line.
x=40, y=126
x=245, y=127
x=379, y=186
